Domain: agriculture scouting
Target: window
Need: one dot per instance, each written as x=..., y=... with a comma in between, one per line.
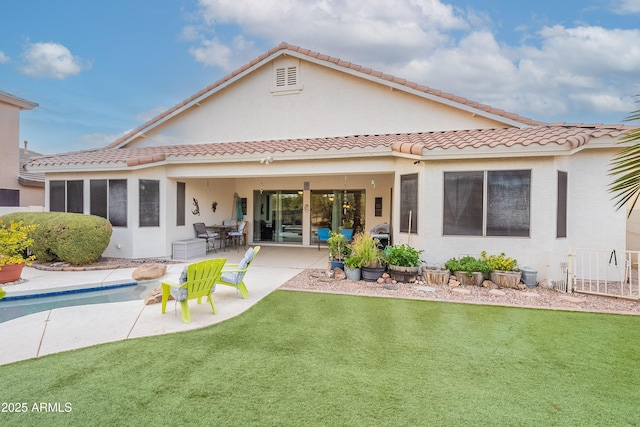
x=75, y=196
x=180, y=203
x=9, y=197
x=561, y=214
x=508, y=203
x=57, y=196
x=108, y=199
x=504, y=211
x=409, y=203
x=463, y=198
x=149, y=207
x=66, y=196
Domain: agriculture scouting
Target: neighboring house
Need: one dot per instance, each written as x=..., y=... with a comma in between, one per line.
x=17, y=187
x=305, y=140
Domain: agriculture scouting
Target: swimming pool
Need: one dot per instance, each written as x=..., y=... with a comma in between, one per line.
x=12, y=307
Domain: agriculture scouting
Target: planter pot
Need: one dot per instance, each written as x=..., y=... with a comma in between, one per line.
x=337, y=264
x=352, y=273
x=403, y=274
x=475, y=279
x=506, y=279
x=10, y=272
x=371, y=274
x=436, y=276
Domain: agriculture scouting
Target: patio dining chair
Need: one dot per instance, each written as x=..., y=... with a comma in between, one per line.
x=233, y=274
x=203, y=233
x=238, y=236
x=323, y=235
x=197, y=281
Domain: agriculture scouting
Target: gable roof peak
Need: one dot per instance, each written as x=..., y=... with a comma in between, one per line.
x=337, y=63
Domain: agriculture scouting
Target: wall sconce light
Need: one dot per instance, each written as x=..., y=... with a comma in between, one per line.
x=373, y=182
x=266, y=160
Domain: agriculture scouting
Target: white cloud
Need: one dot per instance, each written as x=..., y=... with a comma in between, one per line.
x=624, y=7
x=556, y=70
x=51, y=60
x=3, y=58
x=99, y=140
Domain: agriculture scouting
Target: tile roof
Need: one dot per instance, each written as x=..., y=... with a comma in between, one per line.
x=338, y=62
x=418, y=144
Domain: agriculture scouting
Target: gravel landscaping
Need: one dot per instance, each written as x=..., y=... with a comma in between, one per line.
x=531, y=297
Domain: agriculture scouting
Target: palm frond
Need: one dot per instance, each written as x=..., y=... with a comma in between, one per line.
x=625, y=168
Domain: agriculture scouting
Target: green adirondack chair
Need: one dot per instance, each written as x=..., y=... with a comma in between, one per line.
x=198, y=282
x=233, y=274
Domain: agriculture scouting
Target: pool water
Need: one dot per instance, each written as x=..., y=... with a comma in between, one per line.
x=12, y=307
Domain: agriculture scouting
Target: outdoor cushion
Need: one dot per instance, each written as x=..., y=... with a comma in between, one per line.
x=236, y=276
x=180, y=294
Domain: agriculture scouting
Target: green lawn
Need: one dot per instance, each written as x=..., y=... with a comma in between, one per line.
x=298, y=359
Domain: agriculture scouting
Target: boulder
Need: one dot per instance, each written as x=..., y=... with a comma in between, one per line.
x=339, y=274
x=149, y=271
x=155, y=297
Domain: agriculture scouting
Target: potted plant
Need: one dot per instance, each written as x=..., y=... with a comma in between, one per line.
x=403, y=262
x=14, y=243
x=339, y=249
x=352, y=267
x=436, y=275
x=504, y=269
x=372, y=259
x=468, y=270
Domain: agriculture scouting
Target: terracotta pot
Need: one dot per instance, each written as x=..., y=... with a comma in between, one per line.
x=10, y=272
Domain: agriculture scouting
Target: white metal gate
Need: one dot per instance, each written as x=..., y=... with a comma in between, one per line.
x=607, y=272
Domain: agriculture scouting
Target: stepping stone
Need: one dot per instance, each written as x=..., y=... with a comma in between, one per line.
x=391, y=287
x=461, y=291
x=530, y=294
x=572, y=300
x=425, y=288
x=497, y=293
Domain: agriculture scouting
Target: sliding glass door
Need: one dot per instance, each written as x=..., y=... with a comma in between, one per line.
x=337, y=209
x=278, y=216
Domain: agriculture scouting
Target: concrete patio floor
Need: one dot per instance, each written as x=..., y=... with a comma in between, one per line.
x=70, y=328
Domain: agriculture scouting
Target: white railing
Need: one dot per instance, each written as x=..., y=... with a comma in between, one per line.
x=607, y=272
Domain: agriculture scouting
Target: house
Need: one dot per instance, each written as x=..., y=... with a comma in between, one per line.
x=17, y=187
x=296, y=140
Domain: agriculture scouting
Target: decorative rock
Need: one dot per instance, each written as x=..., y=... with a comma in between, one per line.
x=572, y=300
x=522, y=287
x=385, y=275
x=461, y=291
x=489, y=284
x=530, y=294
x=149, y=271
x=497, y=292
x=339, y=274
x=380, y=280
x=453, y=283
x=425, y=288
x=391, y=287
x=388, y=280
x=155, y=296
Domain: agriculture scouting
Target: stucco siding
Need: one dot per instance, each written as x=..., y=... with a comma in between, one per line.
x=331, y=103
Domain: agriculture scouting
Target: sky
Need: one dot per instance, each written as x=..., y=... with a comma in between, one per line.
x=98, y=69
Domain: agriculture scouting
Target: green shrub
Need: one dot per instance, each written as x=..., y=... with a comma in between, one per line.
x=339, y=247
x=499, y=262
x=468, y=264
x=74, y=238
x=403, y=255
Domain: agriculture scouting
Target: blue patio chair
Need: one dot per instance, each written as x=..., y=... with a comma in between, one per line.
x=323, y=235
x=348, y=233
